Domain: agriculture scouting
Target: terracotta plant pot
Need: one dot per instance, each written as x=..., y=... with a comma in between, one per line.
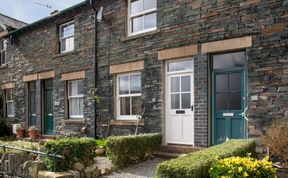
x=33, y=133
x=20, y=132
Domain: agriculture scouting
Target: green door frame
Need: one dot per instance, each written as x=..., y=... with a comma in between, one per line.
x=212, y=74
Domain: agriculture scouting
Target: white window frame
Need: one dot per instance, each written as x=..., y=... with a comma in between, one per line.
x=118, y=96
x=143, y=13
x=10, y=101
x=76, y=96
x=2, y=51
x=64, y=38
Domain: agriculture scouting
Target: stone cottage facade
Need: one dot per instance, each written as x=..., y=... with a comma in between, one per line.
x=203, y=71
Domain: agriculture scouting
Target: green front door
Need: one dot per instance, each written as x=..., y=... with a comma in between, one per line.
x=228, y=96
x=32, y=104
x=48, y=107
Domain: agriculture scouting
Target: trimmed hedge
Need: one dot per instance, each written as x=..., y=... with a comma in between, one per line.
x=73, y=150
x=197, y=165
x=125, y=150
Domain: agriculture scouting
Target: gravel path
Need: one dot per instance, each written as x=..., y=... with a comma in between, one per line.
x=145, y=169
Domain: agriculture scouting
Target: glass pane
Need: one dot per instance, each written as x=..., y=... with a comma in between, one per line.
x=186, y=84
x=67, y=30
x=5, y=44
x=136, y=7
x=76, y=107
x=235, y=101
x=137, y=24
x=150, y=21
x=9, y=95
x=221, y=101
x=136, y=105
x=235, y=82
x=222, y=83
x=124, y=85
x=175, y=101
x=10, y=109
x=179, y=66
x=186, y=101
x=222, y=61
x=63, y=45
x=135, y=84
x=48, y=84
x=67, y=44
x=32, y=86
x=175, y=84
x=125, y=106
x=32, y=103
x=80, y=86
x=150, y=4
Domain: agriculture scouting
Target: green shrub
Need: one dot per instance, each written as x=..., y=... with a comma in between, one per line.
x=197, y=164
x=101, y=143
x=125, y=150
x=73, y=150
x=238, y=167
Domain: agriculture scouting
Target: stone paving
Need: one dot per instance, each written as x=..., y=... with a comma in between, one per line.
x=145, y=169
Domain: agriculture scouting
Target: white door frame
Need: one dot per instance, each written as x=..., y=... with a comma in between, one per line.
x=168, y=99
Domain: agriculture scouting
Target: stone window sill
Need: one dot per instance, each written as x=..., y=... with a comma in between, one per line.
x=126, y=122
x=3, y=66
x=140, y=35
x=64, y=54
x=74, y=121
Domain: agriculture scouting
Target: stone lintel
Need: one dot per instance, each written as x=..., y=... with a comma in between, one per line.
x=126, y=67
x=227, y=45
x=7, y=86
x=31, y=77
x=181, y=52
x=73, y=75
x=46, y=75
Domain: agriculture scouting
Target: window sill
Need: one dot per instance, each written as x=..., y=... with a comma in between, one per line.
x=74, y=121
x=140, y=35
x=3, y=66
x=126, y=122
x=64, y=54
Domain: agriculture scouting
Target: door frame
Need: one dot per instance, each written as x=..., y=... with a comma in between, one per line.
x=43, y=105
x=166, y=96
x=211, y=92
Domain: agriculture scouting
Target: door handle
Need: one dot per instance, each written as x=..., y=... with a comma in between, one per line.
x=243, y=114
x=192, y=107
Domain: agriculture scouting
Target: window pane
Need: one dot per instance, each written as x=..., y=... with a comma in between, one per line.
x=235, y=101
x=222, y=83
x=136, y=7
x=67, y=30
x=76, y=107
x=235, y=82
x=67, y=44
x=4, y=44
x=179, y=66
x=80, y=86
x=150, y=21
x=150, y=4
x=236, y=59
x=136, y=105
x=124, y=85
x=10, y=109
x=137, y=24
x=175, y=84
x=125, y=106
x=186, y=101
x=175, y=101
x=221, y=101
x=186, y=84
x=9, y=95
x=63, y=45
x=135, y=83
x=76, y=88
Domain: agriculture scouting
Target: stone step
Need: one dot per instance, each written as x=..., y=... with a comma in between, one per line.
x=179, y=149
x=166, y=155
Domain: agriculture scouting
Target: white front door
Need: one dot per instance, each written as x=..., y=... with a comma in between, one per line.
x=180, y=103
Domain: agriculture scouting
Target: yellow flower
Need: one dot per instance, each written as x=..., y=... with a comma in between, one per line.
x=246, y=174
x=240, y=169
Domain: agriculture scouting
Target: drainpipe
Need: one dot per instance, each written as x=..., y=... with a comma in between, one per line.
x=96, y=62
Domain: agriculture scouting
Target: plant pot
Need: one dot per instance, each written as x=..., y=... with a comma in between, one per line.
x=20, y=132
x=100, y=151
x=33, y=133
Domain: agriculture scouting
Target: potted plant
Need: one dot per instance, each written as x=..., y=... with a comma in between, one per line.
x=100, y=147
x=20, y=132
x=33, y=134
x=276, y=141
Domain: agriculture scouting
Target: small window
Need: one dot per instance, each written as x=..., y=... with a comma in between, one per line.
x=128, y=96
x=229, y=60
x=3, y=48
x=142, y=16
x=180, y=66
x=10, y=103
x=75, y=99
x=66, y=37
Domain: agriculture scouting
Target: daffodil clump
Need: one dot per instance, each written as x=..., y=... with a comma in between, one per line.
x=238, y=167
